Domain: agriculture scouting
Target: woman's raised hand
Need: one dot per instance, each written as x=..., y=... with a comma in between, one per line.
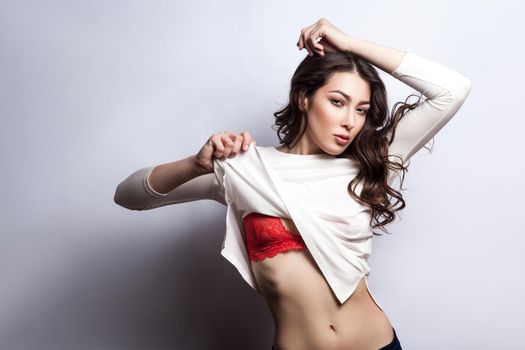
x=222, y=145
x=322, y=37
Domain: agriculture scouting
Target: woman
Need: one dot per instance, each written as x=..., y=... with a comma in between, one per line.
x=337, y=135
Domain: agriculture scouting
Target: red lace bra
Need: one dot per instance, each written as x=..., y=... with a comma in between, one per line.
x=266, y=236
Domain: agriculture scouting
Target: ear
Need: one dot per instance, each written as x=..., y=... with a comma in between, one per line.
x=305, y=103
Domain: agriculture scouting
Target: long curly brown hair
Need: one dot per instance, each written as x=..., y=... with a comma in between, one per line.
x=370, y=147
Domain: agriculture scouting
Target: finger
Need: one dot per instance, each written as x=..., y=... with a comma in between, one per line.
x=229, y=133
x=218, y=148
x=304, y=38
x=314, y=40
x=315, y=36
x=300, y=42
x=306, y=43
x=230, y=145
x=315, y=47
x=227, y=144
x=319, y=51
x=310, y=35
x=246, y=140
x=237, y=140
x=222, y=145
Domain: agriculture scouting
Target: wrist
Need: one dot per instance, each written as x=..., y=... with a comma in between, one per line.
x=353, y=43
x=198, y=168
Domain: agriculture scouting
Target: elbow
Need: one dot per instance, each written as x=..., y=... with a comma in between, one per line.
x=455, y=95
x=124, y=201
x=117, y=198
x=462, y=89
x=459, y=94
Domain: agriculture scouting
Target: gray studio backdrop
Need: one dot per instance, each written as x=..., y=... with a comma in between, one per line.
x=91, y=91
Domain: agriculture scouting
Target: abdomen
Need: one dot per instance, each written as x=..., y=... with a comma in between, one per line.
x=306, y=312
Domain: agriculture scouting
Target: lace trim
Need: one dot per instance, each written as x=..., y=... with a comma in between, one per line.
x=266, y=237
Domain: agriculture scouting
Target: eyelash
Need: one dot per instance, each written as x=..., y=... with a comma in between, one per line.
x=365, y=111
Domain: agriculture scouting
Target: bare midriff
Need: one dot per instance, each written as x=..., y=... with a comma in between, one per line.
x=307, y=314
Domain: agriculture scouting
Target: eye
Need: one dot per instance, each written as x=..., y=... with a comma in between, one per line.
x=363, y=111
x=338, y=101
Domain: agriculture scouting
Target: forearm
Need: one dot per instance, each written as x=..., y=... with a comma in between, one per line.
x=165, y=177
x=381, y=56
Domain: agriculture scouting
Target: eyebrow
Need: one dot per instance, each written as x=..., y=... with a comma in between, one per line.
x=348, y=97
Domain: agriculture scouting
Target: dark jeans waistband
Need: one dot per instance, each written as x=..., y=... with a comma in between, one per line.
x=395, y=344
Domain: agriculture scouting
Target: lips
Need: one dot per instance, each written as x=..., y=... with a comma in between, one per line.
x=340, y=140
x=343, y=136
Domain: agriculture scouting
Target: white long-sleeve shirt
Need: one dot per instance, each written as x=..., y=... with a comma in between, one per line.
x=310, y=189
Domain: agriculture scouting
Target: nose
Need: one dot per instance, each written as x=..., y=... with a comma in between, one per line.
x=350, y=119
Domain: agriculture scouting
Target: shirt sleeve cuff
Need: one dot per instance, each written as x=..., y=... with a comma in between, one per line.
x=409, y=60
x=148, y=187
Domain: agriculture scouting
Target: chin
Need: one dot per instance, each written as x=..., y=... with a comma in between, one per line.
x=333, y=151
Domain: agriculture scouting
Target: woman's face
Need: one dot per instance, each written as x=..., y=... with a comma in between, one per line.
x=330, y=112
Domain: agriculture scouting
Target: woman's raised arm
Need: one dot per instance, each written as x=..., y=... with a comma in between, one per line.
x=445, y=91
x=444, y=88
x=184, y=180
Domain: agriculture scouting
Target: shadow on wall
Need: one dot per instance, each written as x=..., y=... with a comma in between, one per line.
x=150, y=291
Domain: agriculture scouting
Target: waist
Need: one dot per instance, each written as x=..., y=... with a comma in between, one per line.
x=305, y=309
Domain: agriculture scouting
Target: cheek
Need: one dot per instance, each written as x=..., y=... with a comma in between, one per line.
x=325, y=117
x=358, y=129
x=321, y=125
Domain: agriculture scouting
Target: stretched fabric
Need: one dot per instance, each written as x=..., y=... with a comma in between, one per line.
x=334, y=228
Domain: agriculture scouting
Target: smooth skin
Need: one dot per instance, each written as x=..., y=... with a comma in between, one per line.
x=329, y=113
